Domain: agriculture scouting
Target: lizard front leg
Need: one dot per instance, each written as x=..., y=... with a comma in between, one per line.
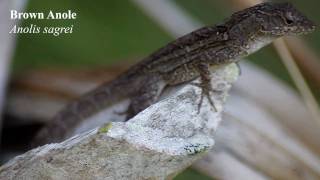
x=189, y=72
x=205, y=84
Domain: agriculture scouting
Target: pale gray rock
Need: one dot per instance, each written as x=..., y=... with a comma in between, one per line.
x=158, y=143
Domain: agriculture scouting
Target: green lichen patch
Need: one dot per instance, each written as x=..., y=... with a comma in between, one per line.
x=105, y=128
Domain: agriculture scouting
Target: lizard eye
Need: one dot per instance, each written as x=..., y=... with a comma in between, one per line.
x=289, y=18
x=289, y=21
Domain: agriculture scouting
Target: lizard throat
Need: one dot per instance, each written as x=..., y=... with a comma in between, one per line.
x=258, y=44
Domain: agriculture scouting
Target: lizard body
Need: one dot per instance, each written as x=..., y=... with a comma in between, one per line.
x=182, y=60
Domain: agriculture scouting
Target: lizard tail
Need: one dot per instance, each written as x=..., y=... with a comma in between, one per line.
x=102, y=97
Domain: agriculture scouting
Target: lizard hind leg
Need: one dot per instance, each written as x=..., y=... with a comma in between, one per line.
x=147, y=95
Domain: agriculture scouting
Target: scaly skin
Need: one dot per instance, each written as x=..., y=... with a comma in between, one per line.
x=183, y=60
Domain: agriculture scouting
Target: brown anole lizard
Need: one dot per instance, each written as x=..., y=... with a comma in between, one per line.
x=183, y=60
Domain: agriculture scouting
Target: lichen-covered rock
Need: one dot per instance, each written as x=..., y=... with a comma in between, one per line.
x=157, y=143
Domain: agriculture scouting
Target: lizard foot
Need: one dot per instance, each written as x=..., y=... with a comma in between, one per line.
x=205, y=91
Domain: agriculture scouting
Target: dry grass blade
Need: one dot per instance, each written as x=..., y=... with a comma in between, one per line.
x=306, y=58
x=298, y=79
x=7, y=45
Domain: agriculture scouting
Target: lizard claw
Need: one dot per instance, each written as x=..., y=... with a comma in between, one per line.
x=205, y=91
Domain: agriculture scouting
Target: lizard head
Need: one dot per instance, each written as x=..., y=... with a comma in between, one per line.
x=279, y=19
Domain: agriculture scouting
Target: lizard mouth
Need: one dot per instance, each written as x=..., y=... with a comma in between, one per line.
x=308, y=30
x=313, y=28
x=307, y=27
x=299, y=30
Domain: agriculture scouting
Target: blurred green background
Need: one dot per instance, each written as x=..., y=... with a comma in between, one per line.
x=115, y=31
